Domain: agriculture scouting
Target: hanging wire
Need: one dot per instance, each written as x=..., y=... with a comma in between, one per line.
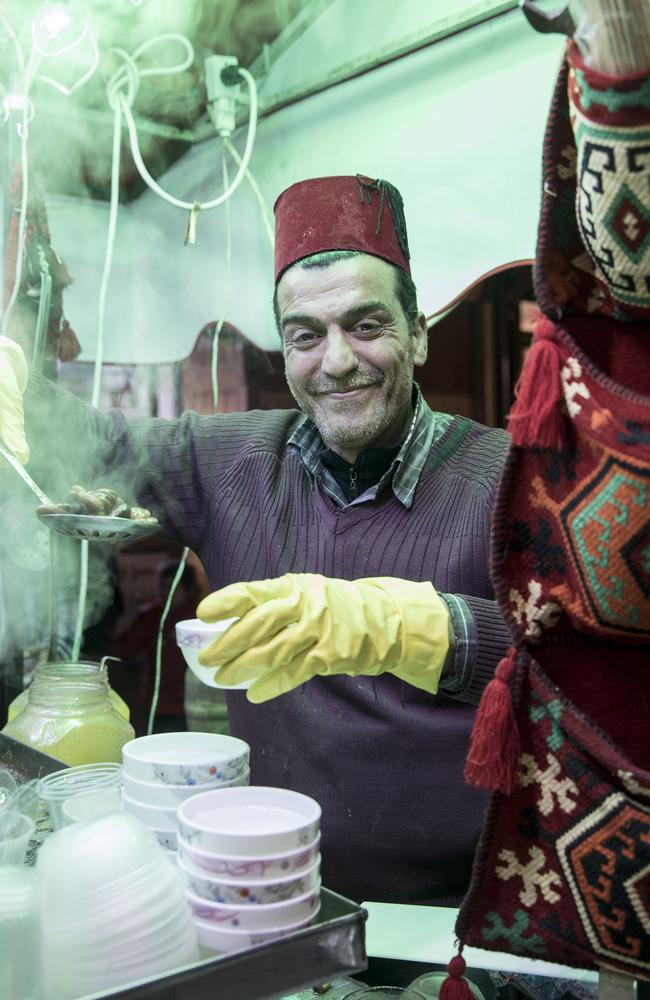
x=215, y=404
x=108, y=259
x=226, y=309
x=159, y=641
x=81, y=604
x=267, y=219
x=149, y=180
x=86, y=75
x=99, y=353
x=9, y=28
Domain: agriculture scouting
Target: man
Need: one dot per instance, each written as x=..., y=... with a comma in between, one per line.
x=363, y=524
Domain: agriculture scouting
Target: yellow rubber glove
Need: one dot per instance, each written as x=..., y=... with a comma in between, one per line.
x=302, y=624
x=13, y=382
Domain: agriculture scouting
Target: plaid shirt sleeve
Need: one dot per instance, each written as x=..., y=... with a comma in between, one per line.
x=465, y=635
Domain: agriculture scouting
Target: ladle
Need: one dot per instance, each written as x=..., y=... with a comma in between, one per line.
x=24, y=475
x=91, y=527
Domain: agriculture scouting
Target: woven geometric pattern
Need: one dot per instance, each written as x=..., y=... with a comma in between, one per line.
x=603, y=855
x=576, y=531
x=612, y=208
x=598, y=523
x=562, y=871
x=593, y=251
x=564, y=862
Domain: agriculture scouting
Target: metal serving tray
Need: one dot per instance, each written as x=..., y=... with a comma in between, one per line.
x=332, y=947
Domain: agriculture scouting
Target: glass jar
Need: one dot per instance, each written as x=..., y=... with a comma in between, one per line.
x=19, y=702
x=69, y=715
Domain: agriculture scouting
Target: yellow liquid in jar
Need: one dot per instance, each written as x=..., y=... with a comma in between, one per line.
x=74, y=741
x=89, y=744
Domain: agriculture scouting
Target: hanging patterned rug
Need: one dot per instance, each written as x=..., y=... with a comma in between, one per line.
x=562, y=734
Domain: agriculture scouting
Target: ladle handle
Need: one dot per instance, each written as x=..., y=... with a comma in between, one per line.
x=24, y=475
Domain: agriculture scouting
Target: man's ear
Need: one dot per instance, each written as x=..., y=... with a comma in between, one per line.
x=421, y=334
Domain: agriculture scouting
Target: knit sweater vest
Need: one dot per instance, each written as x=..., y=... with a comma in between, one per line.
x=384, y=759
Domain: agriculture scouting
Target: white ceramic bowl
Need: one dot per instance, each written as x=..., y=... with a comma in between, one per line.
x=270, y=867
x=217, y=938
x=249, y=820
x=251, y=892
x=155, y=817
x=186, y=758
x=192, y=635
x=168, y=839
x=155, y=793
x=254, y=918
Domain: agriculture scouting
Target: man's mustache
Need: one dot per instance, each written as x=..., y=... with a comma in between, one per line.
x=357, y=381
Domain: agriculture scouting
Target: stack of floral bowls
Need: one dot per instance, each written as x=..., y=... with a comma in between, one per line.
x=162, y=771
x=251, y=863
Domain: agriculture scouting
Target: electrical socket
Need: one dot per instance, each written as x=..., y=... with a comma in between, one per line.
x=222, y=97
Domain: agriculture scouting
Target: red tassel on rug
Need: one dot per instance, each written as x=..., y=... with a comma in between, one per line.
x=454, y=987
x=536, y=416
x=494, y=743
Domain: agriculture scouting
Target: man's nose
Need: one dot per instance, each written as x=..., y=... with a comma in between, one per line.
x=339, y=359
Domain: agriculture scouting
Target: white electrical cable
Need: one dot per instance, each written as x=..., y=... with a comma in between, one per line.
x=127, y=73
x=99, y=352
x=248, y=152
x=267, y=220
x=159, y=641
x=226, y=307
x=85, y=76
x=215, y=403
x=14, y=38
x=108, y=258
x=81, y=603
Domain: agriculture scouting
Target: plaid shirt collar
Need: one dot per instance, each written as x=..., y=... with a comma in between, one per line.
x=404, y=471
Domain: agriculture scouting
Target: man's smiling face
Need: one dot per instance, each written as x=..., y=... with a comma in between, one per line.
x=350, y=351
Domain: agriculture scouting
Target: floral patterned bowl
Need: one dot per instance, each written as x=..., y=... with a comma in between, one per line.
x=254, y=819
x=216, y=937
x=268, y=868
x=186, y=758
x=251, y=892
x=154, y=817
x=257, y=918
x=166, y=838
x=191, y=636
x=155, y=793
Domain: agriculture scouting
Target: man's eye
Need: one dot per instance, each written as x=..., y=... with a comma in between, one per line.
x=368, y=326
x=304, y=338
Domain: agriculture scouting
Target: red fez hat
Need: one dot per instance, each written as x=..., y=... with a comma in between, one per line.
x=340, y=213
